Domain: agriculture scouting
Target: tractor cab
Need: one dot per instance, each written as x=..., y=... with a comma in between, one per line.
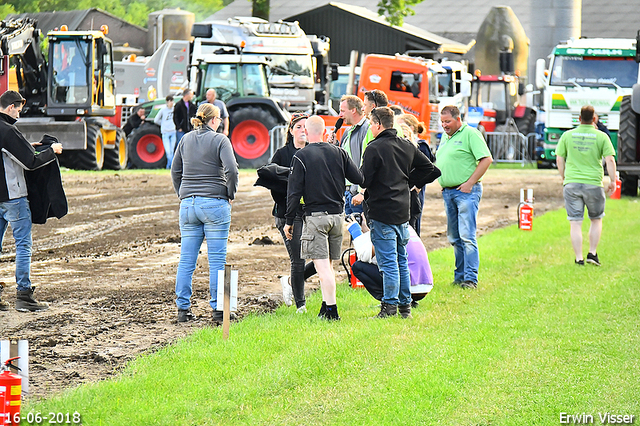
x=495, y=97
x=80, y=74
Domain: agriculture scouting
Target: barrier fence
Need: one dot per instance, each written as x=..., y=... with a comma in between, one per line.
x=511, y=147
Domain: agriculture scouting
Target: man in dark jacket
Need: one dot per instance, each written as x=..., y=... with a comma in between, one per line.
x=391, y=165
x=134, y=121
x=183, y=111
x=318, y=173
x=19, y=155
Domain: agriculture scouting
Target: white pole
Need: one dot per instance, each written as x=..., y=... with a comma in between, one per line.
x=23, y=364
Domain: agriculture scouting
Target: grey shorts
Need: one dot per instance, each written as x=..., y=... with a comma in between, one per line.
x=578, y=195
x=322, y=237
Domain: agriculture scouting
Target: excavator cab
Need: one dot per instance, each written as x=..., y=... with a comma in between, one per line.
x=81, y=79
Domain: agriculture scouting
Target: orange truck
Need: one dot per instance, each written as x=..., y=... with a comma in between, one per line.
x=408, y=82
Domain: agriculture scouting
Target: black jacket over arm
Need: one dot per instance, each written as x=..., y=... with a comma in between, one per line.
x=318, y=173
x=181, y=119
x=391, y=166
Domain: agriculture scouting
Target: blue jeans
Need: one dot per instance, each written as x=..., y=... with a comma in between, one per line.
x=169, y=143
x=202, y=217
x=348, y=207
x=390, y=243
x=17, y=213
x=462, y=214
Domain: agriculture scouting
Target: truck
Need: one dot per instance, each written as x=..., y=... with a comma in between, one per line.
x=240, y=82
x=285, y=45
x=70, y=97
x=412, y=83
x=585, y=71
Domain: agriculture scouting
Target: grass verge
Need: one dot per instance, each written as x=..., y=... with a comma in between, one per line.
x=540, y=337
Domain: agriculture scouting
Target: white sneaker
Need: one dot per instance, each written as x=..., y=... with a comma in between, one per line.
x=302, y=309
x=287, y=291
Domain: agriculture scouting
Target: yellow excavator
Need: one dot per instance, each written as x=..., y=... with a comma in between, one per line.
x=72, y=96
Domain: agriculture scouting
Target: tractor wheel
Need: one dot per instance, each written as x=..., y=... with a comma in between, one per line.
x=527, y=124
x=628, y=145
x=628, y=133
x=91, y=158
x=250, y=136
x=145, y=147
x=116, y=159
x=629, y=185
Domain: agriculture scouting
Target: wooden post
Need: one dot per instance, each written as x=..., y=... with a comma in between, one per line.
x=226, y=313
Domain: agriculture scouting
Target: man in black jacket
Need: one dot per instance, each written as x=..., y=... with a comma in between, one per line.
x=318, y=173
x=19, y=155
x=391, y=166
x=183, y=111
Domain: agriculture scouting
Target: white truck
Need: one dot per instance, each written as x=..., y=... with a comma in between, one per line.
x=286, y=47
x=597, y=72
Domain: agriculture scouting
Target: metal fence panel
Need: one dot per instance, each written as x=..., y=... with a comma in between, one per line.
x=277, y=139
x=510, y=147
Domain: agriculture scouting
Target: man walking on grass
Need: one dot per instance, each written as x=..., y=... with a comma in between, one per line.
x=579, y=158
x=318, y=173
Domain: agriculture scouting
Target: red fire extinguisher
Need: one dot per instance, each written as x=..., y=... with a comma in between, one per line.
x=525, y=211
x=10, y=393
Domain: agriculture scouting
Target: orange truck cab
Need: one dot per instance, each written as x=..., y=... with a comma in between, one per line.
x=406, y=81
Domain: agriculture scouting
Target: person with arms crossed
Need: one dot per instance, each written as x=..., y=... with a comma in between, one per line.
x=463, y=157
x=579, y=157
x=318, y=173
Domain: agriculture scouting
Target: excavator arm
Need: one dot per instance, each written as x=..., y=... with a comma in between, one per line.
x=20, y=47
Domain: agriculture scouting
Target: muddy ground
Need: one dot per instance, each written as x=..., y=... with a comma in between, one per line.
x=108, y=268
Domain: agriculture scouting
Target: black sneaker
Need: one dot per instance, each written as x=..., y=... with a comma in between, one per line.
x=469, y=285
x=323, y=310
x=580, y=262
x=217, y=316
x=185, y=315
x=593, y=259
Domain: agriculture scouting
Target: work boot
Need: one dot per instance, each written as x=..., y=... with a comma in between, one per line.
x=405, y=311
x=185, y=315
x=4, y=306
x=26, y=303
x=387, y=310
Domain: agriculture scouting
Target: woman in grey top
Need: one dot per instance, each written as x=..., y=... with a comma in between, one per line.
x=205, y=177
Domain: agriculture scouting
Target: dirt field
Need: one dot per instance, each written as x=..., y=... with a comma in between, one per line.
x=108, y=268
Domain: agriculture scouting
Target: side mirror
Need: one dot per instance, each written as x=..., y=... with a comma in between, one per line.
x=541, y=65
x=334, y=72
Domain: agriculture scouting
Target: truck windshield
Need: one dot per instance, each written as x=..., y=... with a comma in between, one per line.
x=491, y=95
x=70, y=71
x=291, y=65
x=223, y=78
x=593, y=71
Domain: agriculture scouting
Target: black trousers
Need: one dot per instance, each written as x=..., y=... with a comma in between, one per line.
x=299, y=271
x=370, y=276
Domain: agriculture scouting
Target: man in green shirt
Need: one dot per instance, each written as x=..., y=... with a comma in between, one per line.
x=579, y=158
x=463, y=158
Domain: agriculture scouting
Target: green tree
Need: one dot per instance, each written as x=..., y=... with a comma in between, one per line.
x=396, y=10
x=260, y=9
x=6, y=9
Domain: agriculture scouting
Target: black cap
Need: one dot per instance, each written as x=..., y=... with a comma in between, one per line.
x=11, y=97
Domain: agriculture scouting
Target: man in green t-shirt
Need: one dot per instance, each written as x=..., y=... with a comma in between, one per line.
x=579, y=157
x=463, y=158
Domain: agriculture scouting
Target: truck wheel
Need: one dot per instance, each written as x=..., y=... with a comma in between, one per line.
x=91, y=158
x=629, y=185
x=116, y=159
x=145, y=147
x=250, y=136
x=628, y=133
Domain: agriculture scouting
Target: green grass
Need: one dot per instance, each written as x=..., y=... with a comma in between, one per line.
x=540, y=337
